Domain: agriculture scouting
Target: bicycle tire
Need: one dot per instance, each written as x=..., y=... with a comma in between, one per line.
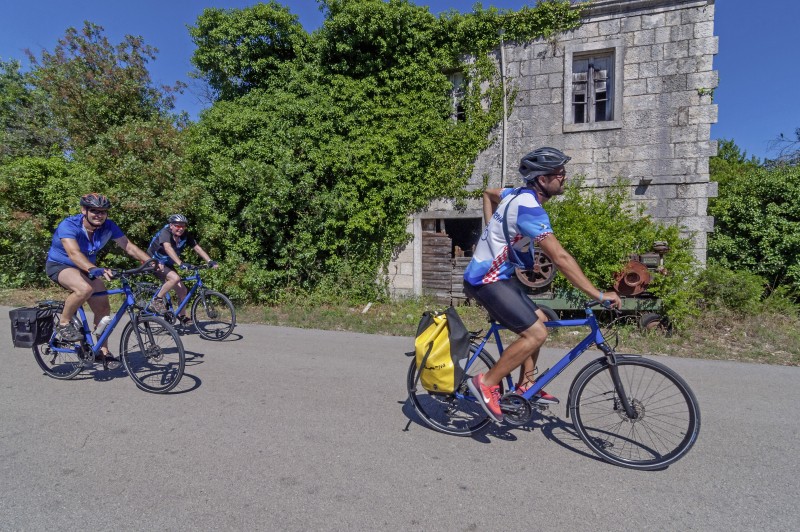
x=58, y=365
x=668, y=421
x=157, y=366
x=214, y=315
x=449, y=413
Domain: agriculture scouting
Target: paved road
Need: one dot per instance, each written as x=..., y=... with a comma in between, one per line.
x=290, y=429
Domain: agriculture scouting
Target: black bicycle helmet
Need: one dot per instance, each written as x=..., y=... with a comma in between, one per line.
x=95, y=201
x=541, y=161
x=178, y=219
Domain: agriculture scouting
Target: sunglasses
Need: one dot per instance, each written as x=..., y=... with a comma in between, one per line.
x=97, y=212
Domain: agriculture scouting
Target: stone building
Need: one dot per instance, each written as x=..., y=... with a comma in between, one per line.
x=628, y=93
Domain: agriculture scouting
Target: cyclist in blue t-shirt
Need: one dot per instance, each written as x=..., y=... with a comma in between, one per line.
x=72, y=258
x=167, y=247
x=515, y=222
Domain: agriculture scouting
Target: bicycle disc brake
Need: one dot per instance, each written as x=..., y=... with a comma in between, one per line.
x=516, y=409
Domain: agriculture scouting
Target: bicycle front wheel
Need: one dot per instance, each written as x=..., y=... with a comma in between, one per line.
x=667, y=420
x=154, y=358
x=213, y=315
x=458, y=413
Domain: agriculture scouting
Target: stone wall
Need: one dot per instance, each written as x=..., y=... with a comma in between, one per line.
x=659, y=138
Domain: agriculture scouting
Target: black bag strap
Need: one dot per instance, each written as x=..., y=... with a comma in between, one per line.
x=515, y=259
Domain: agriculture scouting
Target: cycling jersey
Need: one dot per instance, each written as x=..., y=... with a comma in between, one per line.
x=527, y=222
x=156, y=248
x=72, y=227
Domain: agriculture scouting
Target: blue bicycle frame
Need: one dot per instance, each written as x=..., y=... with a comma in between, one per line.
x=95, y=345
x=595, y=337
x=185, y=302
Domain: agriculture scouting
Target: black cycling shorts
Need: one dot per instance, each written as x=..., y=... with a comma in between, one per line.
x=52, y=269
x=507, y=302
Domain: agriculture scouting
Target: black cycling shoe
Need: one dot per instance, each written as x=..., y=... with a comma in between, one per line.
x=109, y=361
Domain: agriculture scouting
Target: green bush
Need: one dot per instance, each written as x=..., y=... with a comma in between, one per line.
x=601, y=228
x=740, y=291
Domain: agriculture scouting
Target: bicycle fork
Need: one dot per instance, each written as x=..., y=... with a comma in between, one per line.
x=613, y=370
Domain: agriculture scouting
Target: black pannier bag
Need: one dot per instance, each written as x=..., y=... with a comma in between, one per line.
x=31, y=326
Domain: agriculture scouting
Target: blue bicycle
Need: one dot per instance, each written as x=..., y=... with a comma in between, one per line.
x=150, y=349
x=629, y=410
x=213, y=314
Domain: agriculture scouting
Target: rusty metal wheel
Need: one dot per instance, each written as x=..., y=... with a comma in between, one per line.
x=653, y=323
x=542, y=273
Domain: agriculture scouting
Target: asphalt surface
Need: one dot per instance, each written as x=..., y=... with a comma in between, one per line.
x=291, y=429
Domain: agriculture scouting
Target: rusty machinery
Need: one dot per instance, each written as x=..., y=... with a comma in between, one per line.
x=631, y=280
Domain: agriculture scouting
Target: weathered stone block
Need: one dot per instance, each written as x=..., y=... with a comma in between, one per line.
x=704, y=46
x=635, y=87
x=644, y=37
x=631, y=24
x=663, y=35
x=609, y=27
x=703, y=29
x=653, y=21
x=676, y=50
x=682, y=33
x=703, y=80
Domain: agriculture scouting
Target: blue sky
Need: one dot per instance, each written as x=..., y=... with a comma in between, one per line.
x=757, y=60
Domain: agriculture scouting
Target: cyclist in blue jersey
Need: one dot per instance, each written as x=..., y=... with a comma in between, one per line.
x=72, y=261
x=515, y=221
x=167, y=247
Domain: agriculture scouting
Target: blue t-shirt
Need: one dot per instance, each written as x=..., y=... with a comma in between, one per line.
x=528, y=223
x=72, y=227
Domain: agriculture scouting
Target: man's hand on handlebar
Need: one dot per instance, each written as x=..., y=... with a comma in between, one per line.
x=96, y=273
x=611, y=300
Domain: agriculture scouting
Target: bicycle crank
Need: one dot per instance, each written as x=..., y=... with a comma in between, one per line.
x=516, y=409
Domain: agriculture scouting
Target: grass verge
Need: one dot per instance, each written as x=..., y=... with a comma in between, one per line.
x=767, y=338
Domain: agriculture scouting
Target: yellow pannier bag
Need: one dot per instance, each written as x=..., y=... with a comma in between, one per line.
x=441, y=348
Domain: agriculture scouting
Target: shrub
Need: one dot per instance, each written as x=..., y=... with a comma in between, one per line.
x=740, y=291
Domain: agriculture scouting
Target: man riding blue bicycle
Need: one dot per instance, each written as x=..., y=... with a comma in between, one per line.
x=516, y=221
x=167, y=247
x=72, y=257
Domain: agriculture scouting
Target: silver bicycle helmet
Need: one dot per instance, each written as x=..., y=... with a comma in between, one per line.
x=541, y=161
x=95, y=201
x=178, y=219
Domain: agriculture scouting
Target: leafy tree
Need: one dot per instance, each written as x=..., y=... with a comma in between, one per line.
x=92, y=85
x=322, y=153
x=85, y=118
x=24, y=124
x=757, y=217
x=238, y=50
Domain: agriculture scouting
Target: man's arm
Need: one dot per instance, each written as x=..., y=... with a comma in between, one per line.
x=171, y=253
x=567, y=265
x=491, y=199
x=76, y=255
x=202, y=253
x=132, y=249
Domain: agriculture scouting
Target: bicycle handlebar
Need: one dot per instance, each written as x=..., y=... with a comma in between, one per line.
x=147, y=267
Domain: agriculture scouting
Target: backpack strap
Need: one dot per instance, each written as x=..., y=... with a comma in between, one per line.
x=515, y=259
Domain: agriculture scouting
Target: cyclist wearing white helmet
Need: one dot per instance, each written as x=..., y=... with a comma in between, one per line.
x=167, y=247
x=515, y=222
x=72, y=257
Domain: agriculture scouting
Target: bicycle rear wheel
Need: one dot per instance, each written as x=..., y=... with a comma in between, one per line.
x=213, y=315
x=667, y=420
x=62, y=365
x=156, y=364
x=458, y=413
